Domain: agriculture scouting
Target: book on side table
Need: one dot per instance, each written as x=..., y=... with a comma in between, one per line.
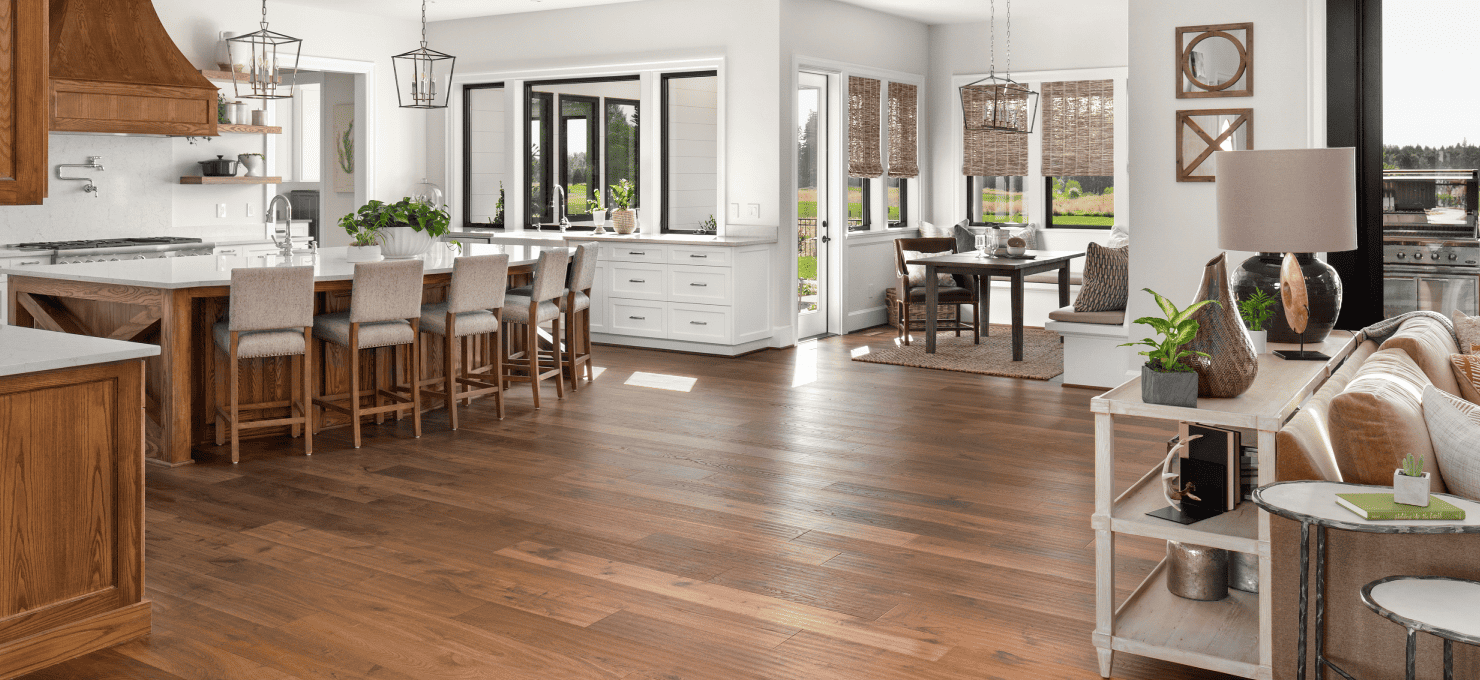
x=1380, y=507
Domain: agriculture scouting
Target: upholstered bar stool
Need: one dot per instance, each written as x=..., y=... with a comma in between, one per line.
x=384, y=311
x=472, y=308
x=539, y=306
x=575, y=299
x=270, y=315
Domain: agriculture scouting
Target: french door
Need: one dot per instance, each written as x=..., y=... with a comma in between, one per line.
x=813, y=154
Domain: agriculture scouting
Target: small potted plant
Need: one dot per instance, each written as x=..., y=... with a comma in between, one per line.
x=253, y=162
x=1166, y=378
x=364, y=243
x=1256, y=311
x=708, y=226
x=1411, y=483
x=598, y=216
x=624, y=218
x=406, y=228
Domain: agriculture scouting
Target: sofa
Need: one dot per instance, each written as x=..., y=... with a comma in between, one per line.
x=1357, y=428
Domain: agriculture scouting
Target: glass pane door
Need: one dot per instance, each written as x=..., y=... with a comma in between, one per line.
x=812, y=201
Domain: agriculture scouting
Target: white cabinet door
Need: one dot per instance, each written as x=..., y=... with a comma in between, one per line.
x=699, y=323
x=637, y=281
x=701, y=285
x=635, y=317
x=598, y=300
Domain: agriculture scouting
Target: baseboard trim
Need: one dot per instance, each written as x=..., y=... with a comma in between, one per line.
x=679, y=345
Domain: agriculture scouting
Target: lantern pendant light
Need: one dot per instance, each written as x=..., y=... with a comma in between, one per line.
x=1009, y=105
x=423, y=75
x=270, y=60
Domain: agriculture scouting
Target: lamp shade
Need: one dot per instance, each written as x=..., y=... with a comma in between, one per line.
x=1287, y=201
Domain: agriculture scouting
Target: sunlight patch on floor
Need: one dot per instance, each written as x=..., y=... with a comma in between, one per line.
x=806, y=367
x=859, y=351
x=676, y=383
x=596, y=372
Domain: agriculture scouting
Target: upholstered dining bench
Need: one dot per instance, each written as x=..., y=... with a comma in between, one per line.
x=1092, y=357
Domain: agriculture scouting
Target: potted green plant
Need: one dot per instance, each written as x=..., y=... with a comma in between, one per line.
x=407, y=228
x=598, y=215
x=1411, y=483
x=624, y=218
x=1166, y=378
x=1257, y=310
x=364, y=243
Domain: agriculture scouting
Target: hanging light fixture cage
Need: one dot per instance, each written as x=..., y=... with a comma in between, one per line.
x=424, y=75
x=270, y=59
x=995, y=102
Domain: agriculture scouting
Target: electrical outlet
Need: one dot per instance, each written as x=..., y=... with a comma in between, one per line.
x=753, y=210
x=735, y=211
x=249, y=209
x=220, y=210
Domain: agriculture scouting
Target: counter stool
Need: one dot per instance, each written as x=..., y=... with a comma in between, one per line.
x=1447, y=608
x=576, y=298
x=531, y=310
x=270, y=315
x=472, y=308
x=384, y=311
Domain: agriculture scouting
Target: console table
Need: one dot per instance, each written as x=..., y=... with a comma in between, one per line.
x=1232, y=635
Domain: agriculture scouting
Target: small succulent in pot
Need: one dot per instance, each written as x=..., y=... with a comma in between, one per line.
x=1411, y=483
x=1167, y=378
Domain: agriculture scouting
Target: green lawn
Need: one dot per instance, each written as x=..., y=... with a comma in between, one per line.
x=1067, y=220
x=807, y=268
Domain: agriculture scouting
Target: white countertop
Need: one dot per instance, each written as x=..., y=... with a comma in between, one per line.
x=215, y=270
x=31, y=350
x=657, y=239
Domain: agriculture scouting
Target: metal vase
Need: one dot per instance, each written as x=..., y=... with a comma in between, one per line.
x=1243, y=572
x=1197, y=572
x=1231, y=364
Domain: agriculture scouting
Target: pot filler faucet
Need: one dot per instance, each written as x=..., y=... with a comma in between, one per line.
x=286, y=244
x=93, y=163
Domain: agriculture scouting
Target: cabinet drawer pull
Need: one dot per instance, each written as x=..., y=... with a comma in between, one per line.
x=630, y=252
x=700, y=323
x=698, y=256
x=639, y=318
x=637, y=280
x=29, y=262
x=701, y=285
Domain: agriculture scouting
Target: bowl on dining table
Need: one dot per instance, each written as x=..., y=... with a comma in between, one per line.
x=1016, y=251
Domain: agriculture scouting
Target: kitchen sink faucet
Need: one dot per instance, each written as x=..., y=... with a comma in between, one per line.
x=561, y=207
x=286, y=245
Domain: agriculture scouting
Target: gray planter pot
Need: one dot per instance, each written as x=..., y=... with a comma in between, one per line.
x=1168, y=389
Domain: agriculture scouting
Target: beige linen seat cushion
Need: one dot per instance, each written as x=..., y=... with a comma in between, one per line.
x=516, y=310
x=254, y=344
x=1304, y=444
x=583, y=301
x=1429, y=343
x=1378, y=419
x=478, y=322
x=1068, y=315
x=335, y=328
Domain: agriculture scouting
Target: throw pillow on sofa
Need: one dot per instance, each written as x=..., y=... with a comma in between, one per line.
x=917, y=271
x=1429, y=344
x=1106, y=279
x=1454, y=427
x=1467, y=374
x=1468, y=330
x=1378, y=419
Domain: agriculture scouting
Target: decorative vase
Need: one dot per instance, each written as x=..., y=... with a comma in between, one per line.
x=598, y=221
x=1169, y=389
x=1322, y=288
x=1410, y=490
x=1197, y=572
x=1231, y=364
x=401, y=243
x=223, y=54
x=1260, y=341
x=363, y=254
x=1243, y=571
x=624, y=221
x=253, y=163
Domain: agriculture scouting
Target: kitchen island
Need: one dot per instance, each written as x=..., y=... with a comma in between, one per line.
x=72, y=466
x=172, y=302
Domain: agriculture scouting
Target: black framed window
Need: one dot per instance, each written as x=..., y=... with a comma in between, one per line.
x=859, y=201
x=1079, y=202
x=623, y=138
x=485, y=171
x=539, y=114
x=995, y=200
x=897, y=201
x=580, y=162
x=690, y=148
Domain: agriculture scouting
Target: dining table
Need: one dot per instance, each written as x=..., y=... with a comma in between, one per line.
x=981, y=267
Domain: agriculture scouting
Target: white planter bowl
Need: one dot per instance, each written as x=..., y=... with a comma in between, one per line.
x=363, y=254
x=253, y=164
x=400, y=243
x=1260, y=340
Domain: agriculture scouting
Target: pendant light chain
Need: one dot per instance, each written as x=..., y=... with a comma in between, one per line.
x=423, y=23
x=991, y=30
x=1009, y=39
x=264, y=15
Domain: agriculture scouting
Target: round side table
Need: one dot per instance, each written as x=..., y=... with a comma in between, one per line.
x=1447, y=608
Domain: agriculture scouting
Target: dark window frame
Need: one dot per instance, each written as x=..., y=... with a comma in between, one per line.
x=663, y=132
x=606, y=144
x=904, y=203
x=528, y=155
x=467, y=174
x=593, y=147
x=547, y=104
x=865, y=223
x=970, y=196
x=1048, y=209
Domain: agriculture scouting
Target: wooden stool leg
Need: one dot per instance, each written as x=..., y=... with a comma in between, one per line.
x=308, y=420
x=220, y=422
x=555, y=339
x=467, y=360
x=586, y=343
x=449, y=379
x=234, y=400
x=415, y=377
x=958, y=321
x=295, y=378
x=354, y=381
x=532, y=353
x=497, y=345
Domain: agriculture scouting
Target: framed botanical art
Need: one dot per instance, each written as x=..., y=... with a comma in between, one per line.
x=1200, y=132
x=1215, y=61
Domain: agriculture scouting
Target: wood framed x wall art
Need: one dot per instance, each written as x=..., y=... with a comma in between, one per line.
x=1200, y=132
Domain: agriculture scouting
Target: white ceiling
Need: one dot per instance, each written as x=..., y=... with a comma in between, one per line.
x=924, y=11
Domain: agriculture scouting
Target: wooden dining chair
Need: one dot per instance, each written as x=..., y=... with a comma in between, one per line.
x=911, y=290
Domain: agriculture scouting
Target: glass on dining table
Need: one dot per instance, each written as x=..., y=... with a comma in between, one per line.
x=981, y=245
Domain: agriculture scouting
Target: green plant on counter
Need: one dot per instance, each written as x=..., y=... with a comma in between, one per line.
x=593, y=204
x=1412, y=467
x=362, y=236
x=708, y=226
x=624, y=194
x=434, y=221
x=1256, y=311
x=1177, y=329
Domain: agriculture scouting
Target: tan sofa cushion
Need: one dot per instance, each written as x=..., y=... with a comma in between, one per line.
x=1467, y=374
x=1378, y=419
x=1468, y=330
x=1429, y=343
x=1303, y=445
x=1068, y=315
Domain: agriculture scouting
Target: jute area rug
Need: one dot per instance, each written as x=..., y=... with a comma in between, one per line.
x=1043, y=355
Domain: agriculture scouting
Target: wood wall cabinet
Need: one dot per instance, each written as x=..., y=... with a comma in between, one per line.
x=72, y=520
x=23, y=116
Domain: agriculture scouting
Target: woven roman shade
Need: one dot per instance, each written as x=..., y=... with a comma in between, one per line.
x=1079, y=128
x=903, y=144
x=989, y=153
x=864, y=158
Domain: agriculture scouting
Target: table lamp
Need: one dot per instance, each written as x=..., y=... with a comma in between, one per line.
x=1288, y=205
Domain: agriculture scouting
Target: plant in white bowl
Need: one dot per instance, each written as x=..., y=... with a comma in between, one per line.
x=364, y=244
x=1256, y=312
x=598, y=215
x=407, y=227
x=1411, y=483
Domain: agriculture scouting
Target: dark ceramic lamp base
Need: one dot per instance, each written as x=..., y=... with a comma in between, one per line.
x=1322, y=288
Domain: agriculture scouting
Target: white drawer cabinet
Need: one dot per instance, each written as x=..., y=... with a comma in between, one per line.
x=636, y=317
x=597, y=315
x=621, y=252
x=702, y=285
x=703, y=255
x=637, y=281
x=699, y=323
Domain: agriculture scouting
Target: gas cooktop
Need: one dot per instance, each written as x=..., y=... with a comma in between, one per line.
x=105, y=243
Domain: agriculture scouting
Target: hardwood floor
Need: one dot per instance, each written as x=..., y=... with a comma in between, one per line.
x=795, y=515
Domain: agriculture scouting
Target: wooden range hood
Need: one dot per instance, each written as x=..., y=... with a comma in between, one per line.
x=114, y=69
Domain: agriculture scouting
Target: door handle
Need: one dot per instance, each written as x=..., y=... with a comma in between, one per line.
x=700, y=256
x=700, y=323
x=827, y=239
x=639, y=318
x=632, y=253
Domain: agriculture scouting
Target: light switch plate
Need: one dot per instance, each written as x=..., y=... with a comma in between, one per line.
x=753, y=210
x=220, y=210
x=249, y=209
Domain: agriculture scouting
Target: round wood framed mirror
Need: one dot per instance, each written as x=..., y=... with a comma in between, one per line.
x=1215, y=61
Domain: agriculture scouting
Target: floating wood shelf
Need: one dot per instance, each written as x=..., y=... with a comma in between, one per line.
x=231, y=180
x=249, y=129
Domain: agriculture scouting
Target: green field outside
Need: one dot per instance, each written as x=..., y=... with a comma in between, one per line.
x=807, y=268
x=1082, y=220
